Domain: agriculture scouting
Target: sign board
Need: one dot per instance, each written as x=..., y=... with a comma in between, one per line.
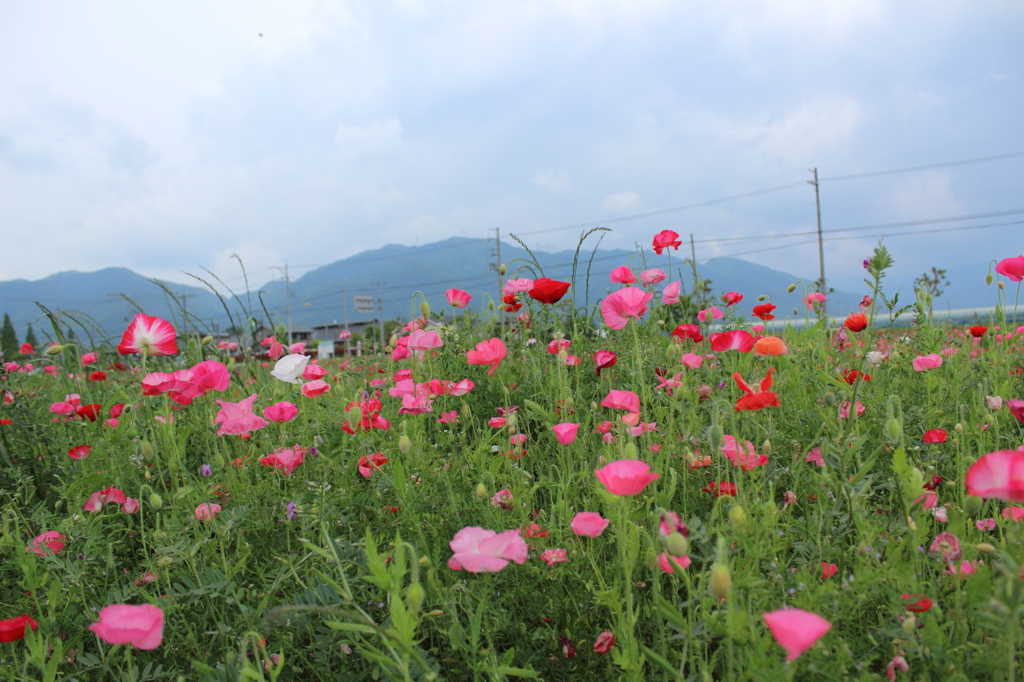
x=325, y=349
x=364, y=304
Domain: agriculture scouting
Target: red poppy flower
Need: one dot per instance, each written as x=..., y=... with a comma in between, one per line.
x=13, y=629
x=89, y=412
x=534, y=531
x=79, y=451
x=737, y=339
x=828, y=570
x=934, y=483
x=732, y=298
x=116, y=410
x=935, y=436
x=764, y=311
x=918, y=603
x=687, y=331
x=856, y=322
x=978, y=331
x=548, y=291
x=568, y=648
x=98, y=375
x=5, y=422
x=604, y=360
x=852, y=375
x=665, y=239
x=720, y=488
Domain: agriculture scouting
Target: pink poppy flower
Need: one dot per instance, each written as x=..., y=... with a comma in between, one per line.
x=26, y=349
x=207, y=511
x=237, y=418
x=421, y=340
x=461, y=388
x=965, y=568
x=130, y=506
x=588, y=524
x=210, y=375
x=622, y=275
x=1014, y=513
x=457, y=298
x=49, y=542
x=898, y=662
x=927, y=501
x=478, y=550
x=344, y=335
x=149, y=335
x=285, y=459
x=297, y=348
x=368, y=465
x=280, y=412
x=276, y=350
x=314, y=389
x=666, y=239
x=565, y=432
x=1012, y=268
x=796, y=630
x=313, y=372
x=665, y=565
x=418, y=402
x=741, y=454
x=813, y=299
x=985, y=524
x=947, y=546
x=557, y=345
x=671, y=523
x=79, y=451
x=844, y=410
x=497, y=422
x=1016, y=408
x=692, y=360
x=554, y=556
x=618, y=306
x=926, y=362
x=88, y=359
x=712, y=312
x=517, y=438
x=652, y=276
x=622, y=400
x=490, y=352
x=687, y=331
x=449, y=417
x=731, y=298
x=515, y=286
x=815, y=456
x=626, y=477
x=737, y=339
x=670, y=294
x=141, y=626
x=605, y=359
x=604, y=642
x=502, y=499
x=998, y=475
x=828, y=570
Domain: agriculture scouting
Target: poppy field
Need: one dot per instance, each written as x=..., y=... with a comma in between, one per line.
x=668, y=485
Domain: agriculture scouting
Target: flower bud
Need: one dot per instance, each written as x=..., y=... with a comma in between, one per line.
x=762, y=297
x=738, y=516
x=830, y=398
x=563, y=356
x=911, y=524
x=791, y=288
x=414, y=597
x=893, y=429
x=481, y=491
x=959, y=428
x=55, y=349
x=404, y=444
x=988, y=279
x=425, y=310
x=437, y=612
x=423, y=561
x=910, y=623
x=147, y=449
x=207, y=340
x=355, y=416
x=972, y=505
x=721, y=580
x=282, y=332
x=490, y=305
x=147, y=475
x=511, y=420
x=629, y=452
x=716, y=434
x=593, y=405
x=1001, y=286
x=155, y=501
x=677, y=544
x=466, y=412
x=986, y=548
x=165, y=561
x=502, y=269
x=494, y=318
x=767, y=446
x=569, y=403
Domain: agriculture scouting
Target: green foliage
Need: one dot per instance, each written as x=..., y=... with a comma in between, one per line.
x=8, y=338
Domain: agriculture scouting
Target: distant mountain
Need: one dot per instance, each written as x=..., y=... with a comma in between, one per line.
x=401, y=270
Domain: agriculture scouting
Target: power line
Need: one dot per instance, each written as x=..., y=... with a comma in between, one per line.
x=914, y=169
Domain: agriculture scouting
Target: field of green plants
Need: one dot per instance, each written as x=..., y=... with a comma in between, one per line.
x=665, y=486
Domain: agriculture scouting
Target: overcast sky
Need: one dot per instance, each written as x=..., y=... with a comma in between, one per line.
x=165, y=136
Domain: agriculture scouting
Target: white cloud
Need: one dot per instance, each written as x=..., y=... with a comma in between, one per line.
x=623, y=201
x=556, y=182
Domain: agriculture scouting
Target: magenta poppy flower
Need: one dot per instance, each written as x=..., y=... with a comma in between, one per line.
x=79, y=451
x=313, y=372
x=588, y=524
x=130, y=506
x=796, y=630
x=622, y=275
x=844, y=409
x=566, y=432
x=692, y=360
x=997, y=475
x=460, y=388
x=62, y=408
x=1012, y=268
x=479, y=550
x=670, y=294
x=652, y=276
x=1016, y=408
x=88, y=359
x=178, y=385
x=281, y=412
x=947, y=546
x=315, y=389
x=713, y=313
x=502, y=499
x=666, y=239
x=622, y=400
x=926, y=362
x=237, y=418
x=368, y=465
x=737, y=339
x=457, y=298
x=554, y=556
x=449, y=417
x=815, y=456
x=618, y=306
x=285, y=459
x=421, y=340
x=741, y=454
x=490, y=352
x=557, y=345
x=150, y=336
x=141, y=626
x=210, y=375
x=828, y=570
x=605, y=359
x=49, y=542
x=207, y=511
x=626, y=477
x=731, y=298
x=665, y=565
x=814, y=298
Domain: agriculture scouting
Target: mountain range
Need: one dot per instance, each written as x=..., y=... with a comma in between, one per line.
x=104, y=301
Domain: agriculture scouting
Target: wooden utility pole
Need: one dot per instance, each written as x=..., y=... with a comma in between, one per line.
x=344, y=307
x=184, y=308
x=288, y=300
x=821, y=244
x=380, y=304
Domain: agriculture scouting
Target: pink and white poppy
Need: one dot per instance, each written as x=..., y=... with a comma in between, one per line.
x=148, y=335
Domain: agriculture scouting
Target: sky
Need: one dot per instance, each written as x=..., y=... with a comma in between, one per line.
x=163, y=137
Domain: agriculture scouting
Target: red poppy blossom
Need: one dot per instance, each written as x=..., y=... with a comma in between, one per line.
x=720, y=488
x=13, y=629
x=79, y=451
x=98, y=375
x=89, y=412
x=731, y=298
x=548, y=291
x=604, y=642
x=687, y=331
x=828, y=570
x=604, y=360
x=852, y=375
x=367, y=466
x=935, y=436
x=857, y=322
x=764, y=311
x=917, y=603
x=978, y=331
x=665, y=239
x=737, y=339
x=759, y=400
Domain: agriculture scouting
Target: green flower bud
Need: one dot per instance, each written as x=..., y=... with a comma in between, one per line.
x=404, y=444
x=959, y=428
x=721, y=580
x=55, y=349
x=494, y=318
x=767, y=446
x=677, y=544
x=738, y=516
x=425, y=310
x=207, y=340
x=893, y=429
x=716, y=434
x=481, y=491
x=155, y=501
x=490, y=305
x=569, y=403
x=502, y=269
x=147, y=449
x=988, y=279
x=761, y=297
x=511, y=420
x=972, y=505
x=1001, y=285
x=414, y=597
x=355, y=416
x=986, y=548
x=830, y=398
x=791, y=288
x=910, y=623
x=466, y=412
x=629, y=451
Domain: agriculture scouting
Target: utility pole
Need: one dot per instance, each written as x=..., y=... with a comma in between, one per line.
x=821, y=245
x=288, y=300
x=184, y=308
x=380, y=304
x=496, y=266
x=344, y=307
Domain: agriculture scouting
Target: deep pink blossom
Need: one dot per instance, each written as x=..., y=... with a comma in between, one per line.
x=622, y=400
x=141, y=626
x=565, y=432
x=626, y=477
x=314, y=389
x=670, y=294
x=652, y=276
x=150, y=336
x=207, y=511
x=283, y=411
x=926, y=362
x=238, y=418
x=490, y=352
x=478, y=550
x=49, y=542
x=796, y=630
x=998, y=475
x=285, y=459
x=622, y=275
x=665, y=565
x=737, y=339
x=588, y=524
x=457, y=298
x=666, y=239
x=554, y=556
x=618, y=306
x=1012, y=268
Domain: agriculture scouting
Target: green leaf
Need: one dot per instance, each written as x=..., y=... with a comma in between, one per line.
x=349, y=627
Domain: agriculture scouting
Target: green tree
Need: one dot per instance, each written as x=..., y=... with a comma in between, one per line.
x=30, y=337
x=8, y=339
x=932, y=284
